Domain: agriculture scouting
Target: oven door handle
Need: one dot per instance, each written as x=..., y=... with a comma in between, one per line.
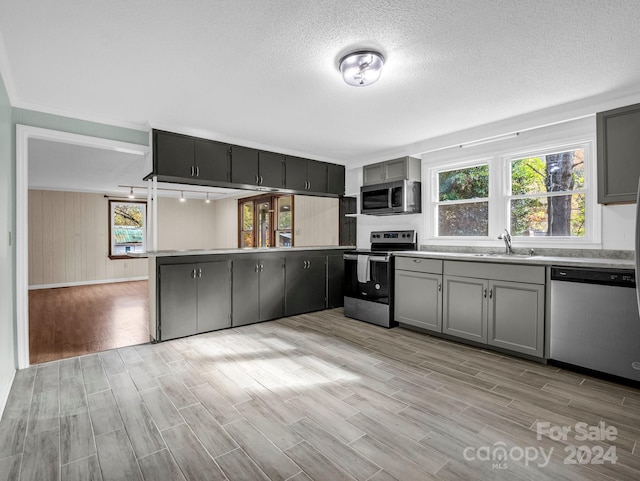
x=378, y=258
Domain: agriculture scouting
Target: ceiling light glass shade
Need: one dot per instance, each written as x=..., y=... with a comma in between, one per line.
x=361, y=68
x=207, y=200
x=182, y=199
x=131, y=194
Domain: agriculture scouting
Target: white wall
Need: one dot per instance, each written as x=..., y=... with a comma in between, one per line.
x=7, y=250
x=617, y=222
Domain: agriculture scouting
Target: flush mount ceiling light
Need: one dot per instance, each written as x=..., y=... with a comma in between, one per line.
x=361, y=68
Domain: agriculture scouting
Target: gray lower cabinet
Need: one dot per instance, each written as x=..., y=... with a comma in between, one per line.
x=194, y=298
x=335, y=281
x=418, y=293
x=492, y=305
x=258, y=290
x=516, y=317
x=465, y=308
x=306, y=284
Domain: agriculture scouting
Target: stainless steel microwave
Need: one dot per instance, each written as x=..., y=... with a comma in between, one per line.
x=400, y=197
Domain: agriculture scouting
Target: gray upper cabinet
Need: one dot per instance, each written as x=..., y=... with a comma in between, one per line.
x=391, y=170
x=257, y=168
x=186, y=157
x=245, y=165
x=418, y=292
x=306, y=175
x=618, y=154
x=335, y=179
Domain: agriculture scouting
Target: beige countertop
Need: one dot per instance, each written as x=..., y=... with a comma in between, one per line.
x=611, y=263
x=247, y=250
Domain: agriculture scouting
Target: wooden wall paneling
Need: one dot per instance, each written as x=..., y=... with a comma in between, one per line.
x=100, y=212
x=226, y=226
x=58, y=235
x=68, y=240
x=47, y=240
x=70, y=236
x=316, y=221
x=35, y=237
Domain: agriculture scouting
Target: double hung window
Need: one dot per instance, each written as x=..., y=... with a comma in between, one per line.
x=544, y=194
x=463, y=201
x=547, y=194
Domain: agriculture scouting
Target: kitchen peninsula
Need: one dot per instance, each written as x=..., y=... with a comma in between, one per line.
x=196, y=291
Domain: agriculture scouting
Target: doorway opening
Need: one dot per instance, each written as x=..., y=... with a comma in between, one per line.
x=79, y=299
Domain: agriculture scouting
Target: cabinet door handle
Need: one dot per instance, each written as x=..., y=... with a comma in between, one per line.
x=197, y=171
x=257, y=179
x=491, y=293
x=192, y=170
x=261, y=180
x=199, y=273
x=417, y=260
x=485, y=292
x=193, y=274
x=439, y=286
x=261, y=267
x=255, y=269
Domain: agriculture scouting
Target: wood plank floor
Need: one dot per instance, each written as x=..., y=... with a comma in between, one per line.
x=72, y=321
x=318, y=397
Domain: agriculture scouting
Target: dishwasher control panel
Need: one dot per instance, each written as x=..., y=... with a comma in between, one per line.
x=590, y=275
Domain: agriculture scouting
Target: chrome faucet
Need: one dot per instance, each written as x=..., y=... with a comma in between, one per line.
x=506, y=237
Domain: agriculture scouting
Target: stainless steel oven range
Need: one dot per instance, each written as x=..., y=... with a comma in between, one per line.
x=368, y=283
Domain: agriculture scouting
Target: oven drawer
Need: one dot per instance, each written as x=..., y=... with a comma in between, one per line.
x=419, y=264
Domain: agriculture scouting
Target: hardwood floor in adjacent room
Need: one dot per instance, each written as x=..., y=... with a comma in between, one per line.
x=314, y=397
x=72, y=321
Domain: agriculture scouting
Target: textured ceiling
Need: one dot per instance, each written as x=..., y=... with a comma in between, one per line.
x=264, y=73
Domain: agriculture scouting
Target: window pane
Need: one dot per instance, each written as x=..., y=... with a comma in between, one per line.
x=247, y=216
x=246, y=239
x=548, y=216
x=558, y=172
x=127, y=227
x=470, y=183
x=284, y=212
x=264, y=225
x=463, y=219
x=283, y=238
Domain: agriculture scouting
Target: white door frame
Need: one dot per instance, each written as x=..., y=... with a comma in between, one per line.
x=23, y=134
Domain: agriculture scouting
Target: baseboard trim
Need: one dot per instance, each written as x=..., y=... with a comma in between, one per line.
x=6, y=392
x=88, y=283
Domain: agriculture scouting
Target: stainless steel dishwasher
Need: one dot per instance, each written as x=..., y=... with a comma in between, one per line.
x=594, y=320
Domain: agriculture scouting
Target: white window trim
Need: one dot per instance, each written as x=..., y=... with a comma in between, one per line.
x=499, y=179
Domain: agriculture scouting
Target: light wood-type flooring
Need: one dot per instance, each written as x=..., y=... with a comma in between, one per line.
x=318, y=397
x=72, y=321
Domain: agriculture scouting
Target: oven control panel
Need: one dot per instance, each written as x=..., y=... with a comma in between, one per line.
x=393, y=237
